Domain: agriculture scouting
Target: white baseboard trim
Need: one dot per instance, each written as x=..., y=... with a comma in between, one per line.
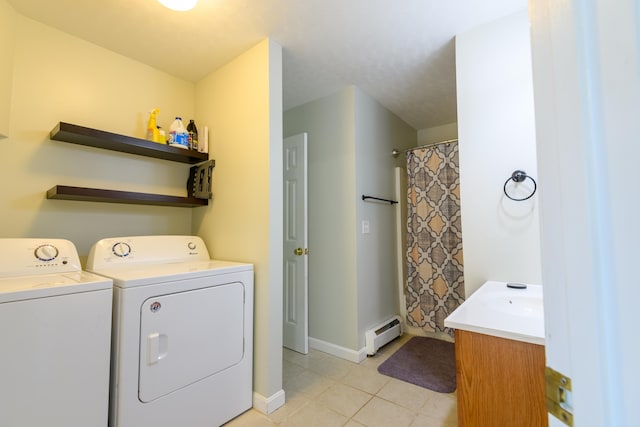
x=267, y=405
x=338, y=351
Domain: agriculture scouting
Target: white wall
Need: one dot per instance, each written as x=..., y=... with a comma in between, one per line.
x=496, y=125
x=352, y=277
x=377, y=133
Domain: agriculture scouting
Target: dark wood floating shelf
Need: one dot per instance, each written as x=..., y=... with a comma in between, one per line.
x=63, y=192
x=75, y=134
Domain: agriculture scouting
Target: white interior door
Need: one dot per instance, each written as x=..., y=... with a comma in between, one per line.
x=586, y=63
x=296, y=296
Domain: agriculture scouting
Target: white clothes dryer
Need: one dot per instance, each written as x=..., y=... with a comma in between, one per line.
x=182, y=350
x=55, y=335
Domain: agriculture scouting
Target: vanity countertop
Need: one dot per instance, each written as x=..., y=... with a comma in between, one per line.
x=501, y=311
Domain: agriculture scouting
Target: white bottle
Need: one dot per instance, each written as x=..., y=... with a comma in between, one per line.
x=178, y=135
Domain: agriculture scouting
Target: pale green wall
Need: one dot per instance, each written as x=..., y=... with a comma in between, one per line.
x=352, y=282
x=7, y=43
x=242, y=104
x=329, y=123
x=58, y=77
x=377, y=133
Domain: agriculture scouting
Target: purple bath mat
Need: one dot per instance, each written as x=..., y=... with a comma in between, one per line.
x=426, y=362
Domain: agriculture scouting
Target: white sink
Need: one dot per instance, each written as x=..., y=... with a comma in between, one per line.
x=498, y=310
x=515, y=305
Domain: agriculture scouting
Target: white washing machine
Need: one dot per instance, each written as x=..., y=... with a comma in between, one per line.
x=55, y=335
x=182, y=349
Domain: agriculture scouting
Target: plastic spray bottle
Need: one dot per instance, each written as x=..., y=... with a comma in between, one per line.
x=152, y=126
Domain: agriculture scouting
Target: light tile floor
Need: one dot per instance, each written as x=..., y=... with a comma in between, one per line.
x=323, y=390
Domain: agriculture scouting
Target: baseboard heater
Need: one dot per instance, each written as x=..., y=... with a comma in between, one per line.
x=382, y=334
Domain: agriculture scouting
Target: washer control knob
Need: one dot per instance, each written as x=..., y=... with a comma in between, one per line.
x=121, y=249
x=46, y=252
x=191, y=245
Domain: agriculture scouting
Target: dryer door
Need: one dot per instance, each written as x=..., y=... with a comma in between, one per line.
x=188, y=336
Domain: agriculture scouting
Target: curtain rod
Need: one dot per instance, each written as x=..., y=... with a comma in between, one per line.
x=396, y=152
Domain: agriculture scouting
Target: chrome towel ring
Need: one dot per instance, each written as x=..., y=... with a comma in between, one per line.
x=519, y=176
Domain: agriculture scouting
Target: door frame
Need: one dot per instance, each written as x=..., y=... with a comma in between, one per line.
x=586, y=72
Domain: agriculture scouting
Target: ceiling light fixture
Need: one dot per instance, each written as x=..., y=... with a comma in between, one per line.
x=179, y=5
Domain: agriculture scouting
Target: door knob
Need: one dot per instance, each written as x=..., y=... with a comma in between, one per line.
x=298, y=251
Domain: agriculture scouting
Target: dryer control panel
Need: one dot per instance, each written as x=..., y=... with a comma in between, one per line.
x=139, y=250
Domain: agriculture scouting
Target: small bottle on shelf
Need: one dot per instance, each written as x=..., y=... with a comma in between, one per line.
x=193, y=135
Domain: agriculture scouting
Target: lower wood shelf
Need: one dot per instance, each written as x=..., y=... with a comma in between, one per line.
x=63, y=192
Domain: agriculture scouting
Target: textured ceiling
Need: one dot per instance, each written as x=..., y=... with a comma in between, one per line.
x=399, y=52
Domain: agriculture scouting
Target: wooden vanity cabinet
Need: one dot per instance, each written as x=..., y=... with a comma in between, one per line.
x=500, y=382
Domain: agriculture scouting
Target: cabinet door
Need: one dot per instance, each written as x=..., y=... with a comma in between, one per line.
x=500, y=382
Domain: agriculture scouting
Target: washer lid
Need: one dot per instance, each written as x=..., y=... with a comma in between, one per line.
x=48, y=285
x=151, y=274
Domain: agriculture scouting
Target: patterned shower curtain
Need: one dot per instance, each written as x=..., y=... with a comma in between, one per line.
x=435, y=281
